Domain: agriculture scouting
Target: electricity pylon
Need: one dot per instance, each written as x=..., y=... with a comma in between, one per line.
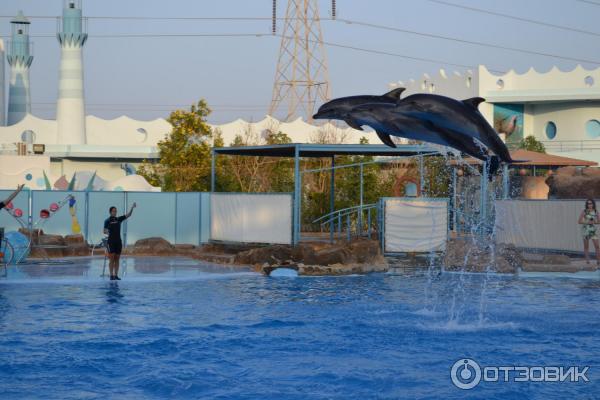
x=301, y=79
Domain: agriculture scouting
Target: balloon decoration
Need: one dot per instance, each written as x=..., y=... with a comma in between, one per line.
x=54, y=207
x=18, y=213
x=44, y=214
x=9, y=206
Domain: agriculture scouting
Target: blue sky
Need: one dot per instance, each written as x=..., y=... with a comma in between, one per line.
x=147, y=77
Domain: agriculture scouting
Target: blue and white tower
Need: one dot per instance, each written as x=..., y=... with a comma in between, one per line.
x=19, y=58
x=70, y=110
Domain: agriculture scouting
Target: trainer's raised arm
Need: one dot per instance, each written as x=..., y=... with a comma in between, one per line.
x=134, y=205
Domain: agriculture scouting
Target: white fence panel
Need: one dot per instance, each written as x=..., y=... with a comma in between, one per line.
x=540, y=224
x=415, y=225
x=251, y=218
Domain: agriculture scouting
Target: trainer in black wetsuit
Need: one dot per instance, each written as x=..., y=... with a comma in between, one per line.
x=112, y=228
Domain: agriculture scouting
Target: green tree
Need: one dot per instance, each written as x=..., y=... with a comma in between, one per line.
x=185, y=153
x=532, y=144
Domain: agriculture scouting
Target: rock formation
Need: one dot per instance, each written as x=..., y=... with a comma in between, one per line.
x=574, y=183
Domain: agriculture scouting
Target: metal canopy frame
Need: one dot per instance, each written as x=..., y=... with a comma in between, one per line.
x=308, y=150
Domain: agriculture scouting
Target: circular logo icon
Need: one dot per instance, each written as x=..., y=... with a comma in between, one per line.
x=465, y=374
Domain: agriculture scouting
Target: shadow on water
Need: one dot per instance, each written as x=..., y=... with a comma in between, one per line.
x=113, y=293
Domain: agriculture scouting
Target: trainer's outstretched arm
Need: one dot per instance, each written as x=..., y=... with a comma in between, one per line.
x=14, y=194
x=134, y=205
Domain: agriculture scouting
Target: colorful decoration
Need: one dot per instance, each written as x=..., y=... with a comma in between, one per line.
x=75, y=227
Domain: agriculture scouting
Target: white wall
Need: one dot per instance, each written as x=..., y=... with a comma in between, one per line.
x=570, y=119
x=541, y=224
x=251, y=218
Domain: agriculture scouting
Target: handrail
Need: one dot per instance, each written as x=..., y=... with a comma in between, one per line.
x=347, y=210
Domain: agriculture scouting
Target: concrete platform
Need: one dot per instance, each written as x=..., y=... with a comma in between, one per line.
x=132, y=269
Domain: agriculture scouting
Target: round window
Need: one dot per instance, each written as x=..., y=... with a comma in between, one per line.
x=592, y=129
x=550, y=130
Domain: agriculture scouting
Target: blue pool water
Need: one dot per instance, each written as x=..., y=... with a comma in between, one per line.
x=175, y=330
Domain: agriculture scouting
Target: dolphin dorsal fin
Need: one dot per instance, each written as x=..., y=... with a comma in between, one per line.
x=395, y=94
x=474, y=101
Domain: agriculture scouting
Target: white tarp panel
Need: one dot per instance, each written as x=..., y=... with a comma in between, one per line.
x=419, y=225
x=251, y=218
x=540, y=224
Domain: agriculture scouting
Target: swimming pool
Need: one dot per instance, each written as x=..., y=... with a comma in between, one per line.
x=171, y=329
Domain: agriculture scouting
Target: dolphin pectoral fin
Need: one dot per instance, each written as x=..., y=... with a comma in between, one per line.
x=474, y=102
x=353, y=124
x=395, y=94
x=385, y=138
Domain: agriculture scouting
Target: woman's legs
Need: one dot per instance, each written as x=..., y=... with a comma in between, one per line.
x=586, y=250
x=597, y=248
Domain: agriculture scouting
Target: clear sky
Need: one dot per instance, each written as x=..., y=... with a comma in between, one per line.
x=147, y=77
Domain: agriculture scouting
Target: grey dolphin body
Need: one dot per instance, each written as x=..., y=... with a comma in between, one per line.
x=458, y=116
x=341, y=108
x=384, y=118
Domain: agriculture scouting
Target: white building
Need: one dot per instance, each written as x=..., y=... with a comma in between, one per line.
x=559, y=108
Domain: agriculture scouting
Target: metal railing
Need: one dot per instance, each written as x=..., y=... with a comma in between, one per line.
x=350, y=220
x=571, y=145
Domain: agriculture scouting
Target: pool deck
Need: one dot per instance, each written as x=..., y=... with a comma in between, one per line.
x=132, y=268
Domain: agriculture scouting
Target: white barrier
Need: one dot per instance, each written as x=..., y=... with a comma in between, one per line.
x=415, y=225
x=540, y=224
x=251, y=218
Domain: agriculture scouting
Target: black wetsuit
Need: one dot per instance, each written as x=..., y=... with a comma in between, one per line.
x=113, y=226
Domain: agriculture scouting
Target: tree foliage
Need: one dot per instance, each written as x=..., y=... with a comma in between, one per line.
x=532, y=144
x=184, y=154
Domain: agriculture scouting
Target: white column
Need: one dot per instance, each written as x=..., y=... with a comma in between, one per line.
x=70, y=112
x=2, y=94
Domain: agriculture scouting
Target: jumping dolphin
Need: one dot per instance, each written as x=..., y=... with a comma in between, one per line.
x=386, y=121
x=340, y=109
x=457, y=116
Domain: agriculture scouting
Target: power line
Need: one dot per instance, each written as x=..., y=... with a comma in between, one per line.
x=589, y=2
x=531, y=21
x=261, y=35
x=155, y=35
x=142, y=18
x=453, y=39
x=387, y=53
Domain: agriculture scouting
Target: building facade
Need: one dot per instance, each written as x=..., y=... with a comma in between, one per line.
x=559, y=108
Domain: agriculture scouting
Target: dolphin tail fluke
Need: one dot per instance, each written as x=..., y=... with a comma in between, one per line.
x=385, y=138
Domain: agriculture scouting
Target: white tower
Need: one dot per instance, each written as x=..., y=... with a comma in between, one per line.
x=20, y=59
x=2, y=109
x=70, y=110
